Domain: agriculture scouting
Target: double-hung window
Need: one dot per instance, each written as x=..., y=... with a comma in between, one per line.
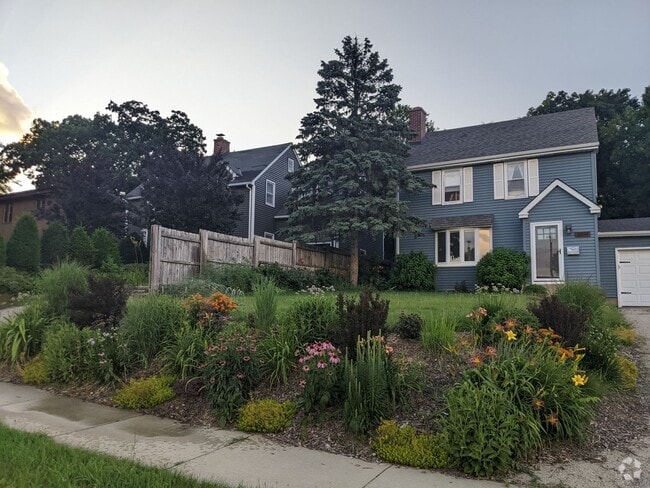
x=464, y=246
x=515, y=180
x=452, y=185
x=291, y=165
x=8, y=213
x=270, y=193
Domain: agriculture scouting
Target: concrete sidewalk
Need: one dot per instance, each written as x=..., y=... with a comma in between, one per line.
x=204, y=453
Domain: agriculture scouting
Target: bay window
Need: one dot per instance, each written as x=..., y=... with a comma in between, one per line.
x=464, y=246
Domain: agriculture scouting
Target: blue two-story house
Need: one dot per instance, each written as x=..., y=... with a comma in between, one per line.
x=527, y=184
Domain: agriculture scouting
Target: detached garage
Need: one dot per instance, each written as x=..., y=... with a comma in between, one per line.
x=625, y=260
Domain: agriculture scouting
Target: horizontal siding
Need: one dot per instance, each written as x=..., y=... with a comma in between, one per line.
x=560, y=206
x=576, y=170
x=264, y=214
x=241, y=229
x=448, y=278
x=608, y=246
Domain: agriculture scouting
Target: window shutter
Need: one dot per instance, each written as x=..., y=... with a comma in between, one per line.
x=436, y=191
x=468, y=184
x=499, y=193
x=533, y=177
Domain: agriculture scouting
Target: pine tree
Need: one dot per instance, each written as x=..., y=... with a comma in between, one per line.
x=106, y=247
x=54, y=245
x=355, y=142
x=24, y=245
x=81, y=248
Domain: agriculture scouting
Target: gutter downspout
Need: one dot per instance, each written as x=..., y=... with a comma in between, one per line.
x=251, y=209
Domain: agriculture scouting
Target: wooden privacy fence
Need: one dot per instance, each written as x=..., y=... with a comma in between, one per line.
x=176, y=255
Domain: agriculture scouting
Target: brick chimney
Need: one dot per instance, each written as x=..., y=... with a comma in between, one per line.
x=221, y=145
x=417, y=124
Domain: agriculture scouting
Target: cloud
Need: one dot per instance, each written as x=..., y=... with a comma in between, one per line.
x=15, y=116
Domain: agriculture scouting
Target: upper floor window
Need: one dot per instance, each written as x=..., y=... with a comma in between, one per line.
x=516, y=179
x=465, y=246
x=270, y=193
x=40, y=203
x=8, y=213
x=291, y=165
x=452, y=186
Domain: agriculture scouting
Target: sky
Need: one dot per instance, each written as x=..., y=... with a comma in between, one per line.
x=248, y=68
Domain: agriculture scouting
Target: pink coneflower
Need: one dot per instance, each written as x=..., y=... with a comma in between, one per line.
x=302, y=383
x=246, y=359
x=240, y=376
x=334, y=359
x=222, y=363
x=305, y=368
x=321, y=364
x=240, y=348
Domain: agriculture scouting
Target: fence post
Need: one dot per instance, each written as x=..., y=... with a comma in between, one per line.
x=294, y=253
x=203, y=250
x=256, y=251
x=154, y=258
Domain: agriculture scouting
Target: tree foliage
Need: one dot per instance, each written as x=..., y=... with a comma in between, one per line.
x=54, y=244
x=624, y=153
x=82, y=249
x=355, y=142
x=24, y=245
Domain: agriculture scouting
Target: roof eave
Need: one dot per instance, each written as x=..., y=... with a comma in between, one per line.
x=551, y=151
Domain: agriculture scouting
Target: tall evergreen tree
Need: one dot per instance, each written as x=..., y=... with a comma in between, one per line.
x=54, y=244
x=82, y=249
x=355, y=143
x=24, y=245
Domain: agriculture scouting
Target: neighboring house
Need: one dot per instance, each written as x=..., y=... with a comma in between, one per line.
x=260, y=177
x=625, y=260
x=527, y=184
x=14, y=205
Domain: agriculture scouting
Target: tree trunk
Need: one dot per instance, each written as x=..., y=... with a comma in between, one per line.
x=354, y=257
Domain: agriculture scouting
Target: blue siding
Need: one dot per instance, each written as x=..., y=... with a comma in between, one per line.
x=576, y=170
x=241, y=228
x=264, y=214
x=560, y=206
x=607, y=257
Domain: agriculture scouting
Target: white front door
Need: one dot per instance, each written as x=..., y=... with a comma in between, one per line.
x=633, y=277
x=546, y=252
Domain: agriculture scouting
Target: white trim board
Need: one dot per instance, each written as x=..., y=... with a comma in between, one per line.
x=593, y=208
x=626, y=233
x=533, y=252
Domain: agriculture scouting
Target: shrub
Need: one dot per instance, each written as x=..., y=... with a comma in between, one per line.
x=149, y=322
x=145, y=392
x=209, y=312
x=413, y=272
x=236, y=276
x=539, y=290
x=374, y=272
x=101, y=305
x=409, y=326
x=502, y=266
x=133, y=249
x=82, y=249
x=231, y=370
x=266, y=416
x=601, y=347
x=482, y=429
x=22, y=335
x=54, y=244
x=372, y=383
x=628, y=372
x=356, y=319
x=265, y=302
x=625, y=335
x=24, y=245
x=184, y=351
x=14, y=282
x=402, y=445
x=63, y=351
x=3, y=252
x=136, y=274
x=106, y=247
x=55, y=284
x=289, y=279
x=313, y=317
x=35, y=372
x=278, y=349
x=321, y=383
x=438, y=332
x=198, y=285
x=584, y=296
x=564, y=318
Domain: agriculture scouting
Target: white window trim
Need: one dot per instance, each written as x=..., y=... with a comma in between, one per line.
x=524, y=164
x=461, y=196
x=533, y=252
x=269, y=235
x=462, y=263
x=267, y=193
x=291, y=165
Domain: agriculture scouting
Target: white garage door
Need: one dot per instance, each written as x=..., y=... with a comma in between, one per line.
x=633, y=277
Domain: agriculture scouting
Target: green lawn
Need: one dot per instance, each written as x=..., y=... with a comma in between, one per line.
x=34, y=460
x=425, y=304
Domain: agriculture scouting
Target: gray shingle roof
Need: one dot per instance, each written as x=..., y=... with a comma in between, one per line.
x=250, y=162
x=441, y=223
x=527, y=134
x=624, y=225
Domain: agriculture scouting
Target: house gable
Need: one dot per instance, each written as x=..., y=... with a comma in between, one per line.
x=557, y=183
